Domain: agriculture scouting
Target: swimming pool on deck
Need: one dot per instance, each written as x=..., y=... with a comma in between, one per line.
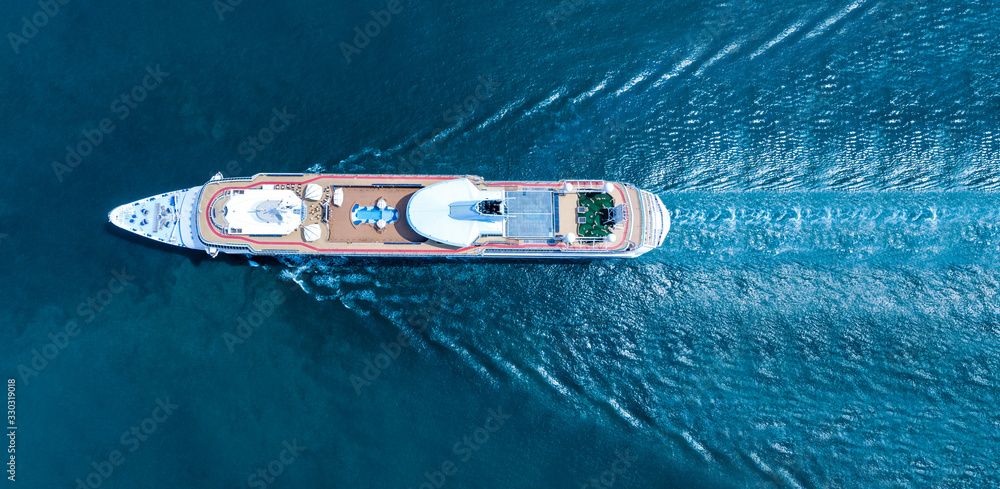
x=371, y=215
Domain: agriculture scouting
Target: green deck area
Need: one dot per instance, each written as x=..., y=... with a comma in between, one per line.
x=594, y=202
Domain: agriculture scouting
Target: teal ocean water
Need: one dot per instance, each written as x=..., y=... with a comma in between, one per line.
x=823, y=314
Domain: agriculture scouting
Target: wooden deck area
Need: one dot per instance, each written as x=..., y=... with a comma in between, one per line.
x=343, y=230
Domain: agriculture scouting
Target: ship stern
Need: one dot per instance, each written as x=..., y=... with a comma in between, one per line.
x=655, y=219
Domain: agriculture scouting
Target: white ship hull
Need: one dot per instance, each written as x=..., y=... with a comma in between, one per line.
x=402, y=216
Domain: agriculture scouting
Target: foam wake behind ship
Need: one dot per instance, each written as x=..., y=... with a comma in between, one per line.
x=402, y=215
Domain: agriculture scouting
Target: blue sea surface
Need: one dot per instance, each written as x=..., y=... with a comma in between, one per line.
x=823, y=314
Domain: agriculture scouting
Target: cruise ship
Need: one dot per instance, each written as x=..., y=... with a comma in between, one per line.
x=402, y=215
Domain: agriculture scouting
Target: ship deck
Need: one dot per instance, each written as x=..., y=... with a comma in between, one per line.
x=342, y=234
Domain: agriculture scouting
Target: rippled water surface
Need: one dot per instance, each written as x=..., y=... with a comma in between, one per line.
x=823, y=313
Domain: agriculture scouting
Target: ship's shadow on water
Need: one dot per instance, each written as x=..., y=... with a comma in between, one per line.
x=196, y=257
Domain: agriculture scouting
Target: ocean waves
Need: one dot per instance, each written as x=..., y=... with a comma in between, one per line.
x=774, y=366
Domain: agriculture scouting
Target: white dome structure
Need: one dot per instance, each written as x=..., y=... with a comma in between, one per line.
x=570, y=238
x=608, y=187
x=443, y=212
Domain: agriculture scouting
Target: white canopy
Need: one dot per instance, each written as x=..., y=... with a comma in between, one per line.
x=430, y=212
x=311, y=232
x=313, y=192
x=338, y=197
